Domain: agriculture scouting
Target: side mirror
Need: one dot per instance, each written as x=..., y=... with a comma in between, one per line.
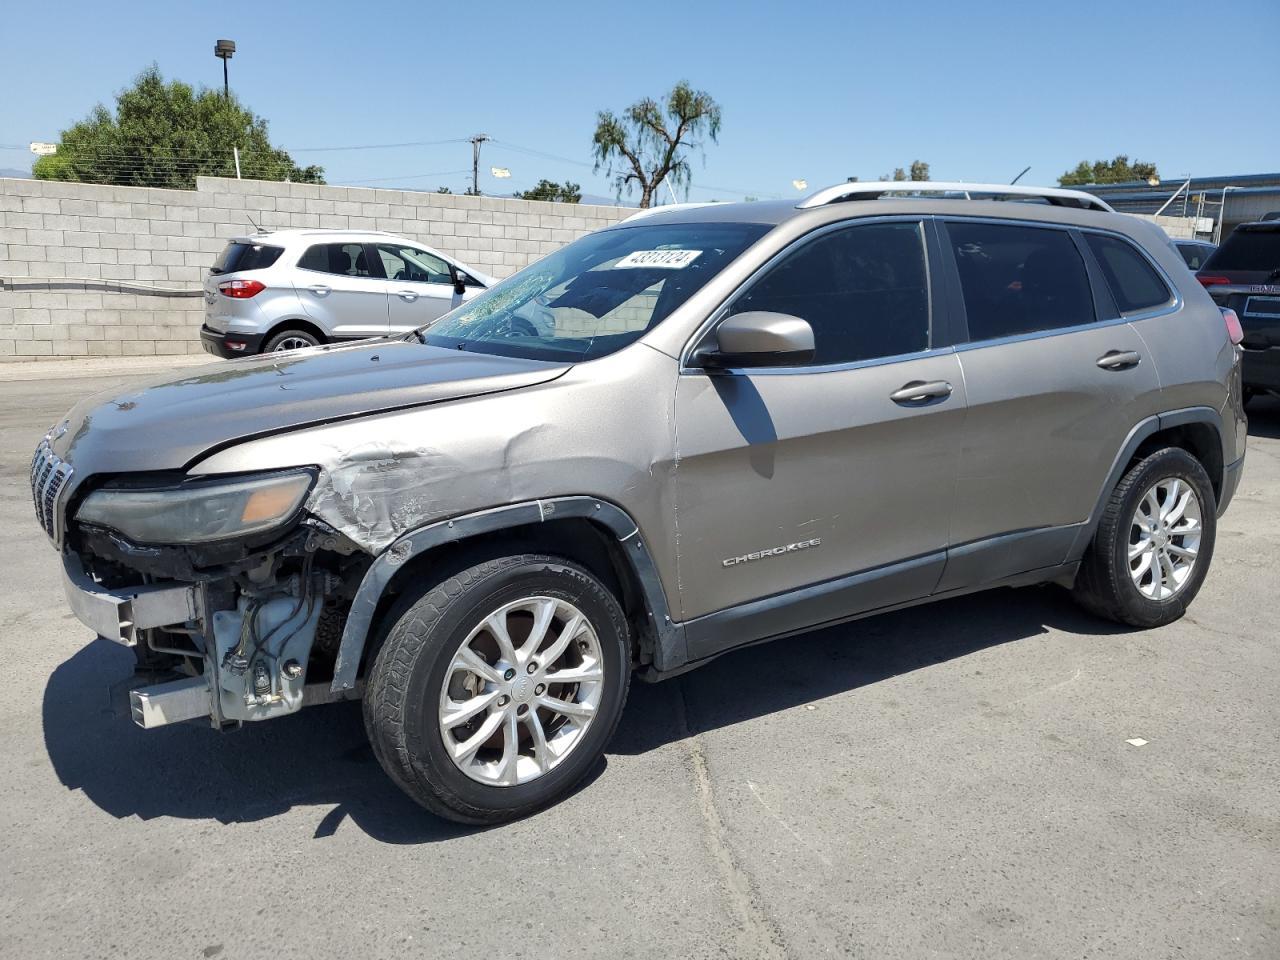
x=460, y=282
x=758, y=338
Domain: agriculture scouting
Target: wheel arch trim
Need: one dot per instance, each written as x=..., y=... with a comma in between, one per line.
x=1142, y=431
x=669, y=651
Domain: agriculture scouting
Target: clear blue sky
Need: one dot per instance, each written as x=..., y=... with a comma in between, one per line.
x=819, y=90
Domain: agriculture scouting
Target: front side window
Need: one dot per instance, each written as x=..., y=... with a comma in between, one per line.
x=400, y=262
x=864, y=290
x=1018, y=280
x=1134, y=283
x=344, y=259
x=596, y=295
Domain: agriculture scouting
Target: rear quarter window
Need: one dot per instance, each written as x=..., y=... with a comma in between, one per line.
x=1135, y=285
x=237, y=257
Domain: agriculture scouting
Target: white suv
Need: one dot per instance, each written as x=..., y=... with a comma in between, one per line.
x=300, y=288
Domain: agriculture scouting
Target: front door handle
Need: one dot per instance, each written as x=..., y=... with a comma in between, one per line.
x=1119, y=360
x=319, y=289
x=408, y=296
x=919, y=392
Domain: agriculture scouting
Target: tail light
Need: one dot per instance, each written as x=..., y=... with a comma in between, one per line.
x=1234, y=331
x=1212, y=281
x=241, y=289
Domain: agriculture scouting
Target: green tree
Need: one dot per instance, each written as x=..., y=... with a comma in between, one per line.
x=165, y=134
x=919, y=170
x=650, y=141
x=566, y=192
x=1119, y=170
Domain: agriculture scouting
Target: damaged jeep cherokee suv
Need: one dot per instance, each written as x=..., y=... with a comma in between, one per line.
x=699, y=429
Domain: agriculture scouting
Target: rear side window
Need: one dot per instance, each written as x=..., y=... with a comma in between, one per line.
x=343, y=259
x=864, y=290
x=1247, y=250
x=1017, y=279
x=237, y=256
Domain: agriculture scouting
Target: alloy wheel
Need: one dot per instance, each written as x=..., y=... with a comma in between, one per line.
x=521, y=691
x=1164, y=538
x=292, y=343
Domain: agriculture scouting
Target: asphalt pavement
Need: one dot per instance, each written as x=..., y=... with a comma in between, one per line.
x=958, y=780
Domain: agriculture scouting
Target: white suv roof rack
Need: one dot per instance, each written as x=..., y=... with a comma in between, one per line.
x=968, y=191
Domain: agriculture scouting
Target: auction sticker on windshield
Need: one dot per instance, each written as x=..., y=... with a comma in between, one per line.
x=666, y=259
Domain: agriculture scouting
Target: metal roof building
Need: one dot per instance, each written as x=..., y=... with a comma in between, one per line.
x=1234, y=200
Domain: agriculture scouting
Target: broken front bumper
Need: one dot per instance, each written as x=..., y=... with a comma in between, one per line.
x=118, y=614
x=271, y=682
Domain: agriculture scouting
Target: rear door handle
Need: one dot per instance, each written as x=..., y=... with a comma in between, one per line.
x=319, y=289
x=1119, y=360
x=408, y=296
x=919, y=392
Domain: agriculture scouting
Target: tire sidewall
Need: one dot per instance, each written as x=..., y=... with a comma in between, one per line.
x=427, y=755
x=1165, y=465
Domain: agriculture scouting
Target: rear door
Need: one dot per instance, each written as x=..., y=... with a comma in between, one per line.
x=343, y=289
x=1055, y=381
x=420, y=285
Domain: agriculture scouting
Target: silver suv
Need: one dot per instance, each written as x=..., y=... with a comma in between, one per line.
x=740, y=422
x=301, y=288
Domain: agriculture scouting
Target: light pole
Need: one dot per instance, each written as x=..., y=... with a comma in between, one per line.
x=224, y=50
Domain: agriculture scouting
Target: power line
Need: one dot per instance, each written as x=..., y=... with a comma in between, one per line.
x=378, y=146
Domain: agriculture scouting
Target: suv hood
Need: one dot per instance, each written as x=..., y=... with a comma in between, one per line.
x=167, y=423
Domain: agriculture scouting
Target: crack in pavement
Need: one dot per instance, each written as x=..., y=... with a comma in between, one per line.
x=757, y=934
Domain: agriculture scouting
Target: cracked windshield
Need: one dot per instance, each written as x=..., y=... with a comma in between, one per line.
x=596, y=295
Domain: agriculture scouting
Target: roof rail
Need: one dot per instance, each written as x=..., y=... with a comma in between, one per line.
x=969, y=191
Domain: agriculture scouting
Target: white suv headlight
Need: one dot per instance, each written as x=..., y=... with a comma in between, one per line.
x=199, y=511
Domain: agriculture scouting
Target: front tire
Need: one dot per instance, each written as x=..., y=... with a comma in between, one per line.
x=1152, y=549
x=497, y=689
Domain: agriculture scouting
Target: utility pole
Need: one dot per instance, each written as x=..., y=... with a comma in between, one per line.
x=478, y=139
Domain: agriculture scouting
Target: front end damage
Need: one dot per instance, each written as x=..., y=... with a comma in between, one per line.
x=232, y=634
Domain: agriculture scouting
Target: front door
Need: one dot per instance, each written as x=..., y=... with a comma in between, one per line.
x=791, y=481
x=420, y=286
x=342, y=290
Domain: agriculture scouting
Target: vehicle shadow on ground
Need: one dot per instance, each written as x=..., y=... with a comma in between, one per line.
x=792, y=671
x=321, y=756
x=318, y=757
x=1264, y=418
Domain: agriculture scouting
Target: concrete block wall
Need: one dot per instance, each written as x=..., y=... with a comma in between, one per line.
x=89, y=270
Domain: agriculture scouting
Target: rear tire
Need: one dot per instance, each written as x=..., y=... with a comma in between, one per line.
x=291, y=340
x=461, y=699
x=1154, y=543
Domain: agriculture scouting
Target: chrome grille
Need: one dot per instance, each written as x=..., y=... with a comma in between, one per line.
x=49, y=476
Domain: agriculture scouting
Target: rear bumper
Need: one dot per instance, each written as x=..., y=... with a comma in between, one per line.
x=1262, y=368
x=230, y=345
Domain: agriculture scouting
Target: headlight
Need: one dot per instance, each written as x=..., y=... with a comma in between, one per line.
x=199, y=511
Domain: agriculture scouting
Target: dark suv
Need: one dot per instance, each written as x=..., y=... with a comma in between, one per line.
x=1244, y=274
